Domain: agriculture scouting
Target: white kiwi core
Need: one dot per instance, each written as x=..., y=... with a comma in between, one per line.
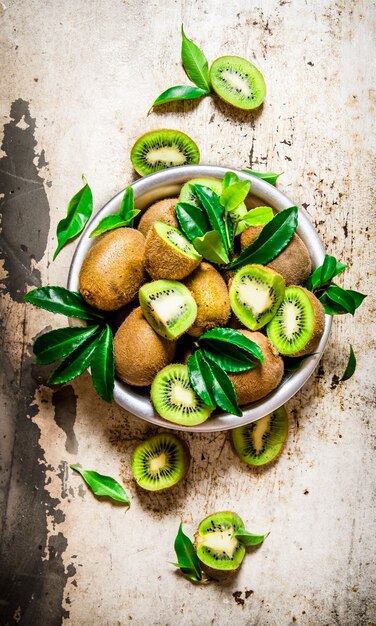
x=256, y=296
x=167, y=154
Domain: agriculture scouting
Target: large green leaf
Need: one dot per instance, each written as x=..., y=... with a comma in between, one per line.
x=351, y=365
x=195, y=63
x=234, y=195
x=187, y=558
x=103, y=485
x=342, y=297
x=235, y=338
x=214, y=210
x=56, y=344
x=179, y=92
x=224, y=391
x=61, y=300
x=124, y=217
x=103, y=365
x=111, y=222
x=229, y=358
x=76, y=363
x=201, y=378
x=79, y=211
x=258, y=216
x=270, y=177
x=192, y=219
x=249, y=539
x=322, y=275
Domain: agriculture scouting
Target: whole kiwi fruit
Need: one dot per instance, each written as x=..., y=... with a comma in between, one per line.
x=256, y=383
x=113, y=270
x=139, y=351
x=293, y=263
x=161, y=211
x=213, y=303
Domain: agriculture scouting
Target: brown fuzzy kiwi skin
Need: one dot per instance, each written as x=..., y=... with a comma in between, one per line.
x=113, y=270
x=319, y=315
x=211, y=295
x=161, y=211
x=165, y=261
x=139, y=351
x=293, y=263
x=256, y=383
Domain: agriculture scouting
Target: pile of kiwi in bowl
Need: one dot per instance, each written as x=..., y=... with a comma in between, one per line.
x=142, y=348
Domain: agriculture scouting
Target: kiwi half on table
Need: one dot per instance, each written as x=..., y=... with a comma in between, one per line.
x=168, y=306
x=163, y=148
x=175, y=399
x=218, y=549
x=262, y=441
x=160, y=462
x=238, y=82
x=168, y=253
x=255, y=295
x=299, y=323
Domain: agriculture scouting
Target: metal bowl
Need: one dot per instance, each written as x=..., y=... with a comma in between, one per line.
x=168, y=183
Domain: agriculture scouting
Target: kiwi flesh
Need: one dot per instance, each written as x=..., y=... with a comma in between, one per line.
x=238, y=82
x=218, y=550
x=293, y=263
x=139, y=351
x=161, y=211
x=160, y=149
x=113, y=270
x=168, y=253
x=255, y=295
x=211, y=295
x=174, y=398
x=187, y=193
x=160, y=462
x=256, y=383
x=262, y=441
x=168, y=306
x=299, y=323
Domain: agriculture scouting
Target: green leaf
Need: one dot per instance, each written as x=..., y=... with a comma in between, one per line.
x=235, y=338
x=187, y=558
x=330, y=307
x=230, y=178
x=76, y=363
x=61, y=300
x=351, y=365
x=103, y=365
x=56, y=344
x=192, y=219
x=270, y=177
x=322, y=275
x=273, y=238
x=224, y=391
x=249, y=539
x=234, y=195
x=103, y=485
x=342, y=297
x=124, y=217
x=127, y=205
x=230, y=359
x=201, y=378
x=259, y=216
x=79, y=211
x=195, y=63
x=214, y=210
x=356, y=296
x=108, y=223
x=211, y=247
x=179, y=92
x=293, y=363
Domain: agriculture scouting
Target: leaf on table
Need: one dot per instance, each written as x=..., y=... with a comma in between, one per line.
x=103, y=365
x=351, y=365
x=179, y=92
x=56, y=344
x=103, y=485
x=64, y=301
x=195, y=63
x=75, y=363
x=249, y=539
x=79, y=211
x=188, y=561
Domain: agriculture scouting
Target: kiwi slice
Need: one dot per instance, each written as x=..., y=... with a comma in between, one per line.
x=262, y=441
x=168, y=306
x=299, y=323
x=238, y=82
x=215, y=543
x=163, y=148
x=168, y=253
x=160, y=462
x=175, y=399
x=187, y=193
x=255, y=295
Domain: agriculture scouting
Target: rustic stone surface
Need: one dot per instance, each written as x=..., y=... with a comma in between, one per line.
x=77, y=81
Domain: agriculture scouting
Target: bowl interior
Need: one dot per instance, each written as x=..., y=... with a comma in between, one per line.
x=166, y=184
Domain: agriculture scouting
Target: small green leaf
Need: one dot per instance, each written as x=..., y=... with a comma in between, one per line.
x=61, y=300
x=214, y=210
x=201, y=378
x=108, y=223
x=230, y=178
x=56, y=344
x=79, y=211
x=322, y=275
x=127, y=205
x=351, y=365
x=124, y=217
x=270, y=177
x=230, y=359
x=224, y=391
x=103, y=365
x=195, y=63
x=249, y=539
x=192, y=219
x=356, y=296
x=234, y=195
x=103, y=485
x=259, y=216
x=76, y=363
x=235, y=338
x=330, y=307
x=274, y=238
x=179, y=92
x=342, y=297
x=186, y=555
x=211, y=247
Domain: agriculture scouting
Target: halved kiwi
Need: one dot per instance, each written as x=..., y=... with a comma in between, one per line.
x=262, y=441
x=168, y=306
x=163, y=148
x=161, y=211
x=217, y=547
x=168, y=253
x=238, y=82
x=160, y=462
x=299, y=323
x=187, y=193
x=175, y=399
x=255, y=295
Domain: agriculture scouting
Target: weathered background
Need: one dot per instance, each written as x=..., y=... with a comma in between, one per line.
x=76, y=81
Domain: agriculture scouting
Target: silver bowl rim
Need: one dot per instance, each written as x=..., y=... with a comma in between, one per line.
x=140, y=405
